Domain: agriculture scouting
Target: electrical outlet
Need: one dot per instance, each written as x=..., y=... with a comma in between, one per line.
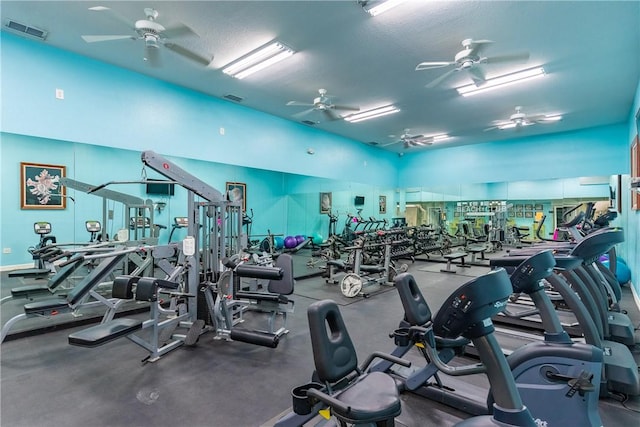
x=59, y=94
x=221, y=131
x=6, y=250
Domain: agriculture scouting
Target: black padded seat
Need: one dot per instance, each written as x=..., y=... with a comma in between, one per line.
x=278, y=287
x=105, y=332
x=43, y=307
x=27, y=290
x=373, y=398
x=30, y=272
x=372, y=268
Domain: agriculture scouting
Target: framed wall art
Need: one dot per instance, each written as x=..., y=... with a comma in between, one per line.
x=635, y=173
x=325, y=203
x=237, y=191
x=40, y=186
x=382, y=204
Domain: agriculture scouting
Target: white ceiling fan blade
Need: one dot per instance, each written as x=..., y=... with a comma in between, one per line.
x=432, y=65
x=345, y=107
x=477, y=75
x=113, y=15
x=152, y=56
x=189, y=54
x=514, y=57
x=440, y=79
x=547, y=119
x=300, y=104
x=536, y=118
x=96, y=39
x=331, y=115
x=501, y=125
x=304, y=113
x=178, y=30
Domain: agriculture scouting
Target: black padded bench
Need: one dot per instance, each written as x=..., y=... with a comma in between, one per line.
x=476, y=249
x=452, y=257
x=75, y=296
x=106, y=332
x=52, y=283
x=372, y=268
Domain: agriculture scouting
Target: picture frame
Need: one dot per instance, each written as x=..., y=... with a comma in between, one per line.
x=538, y=207
x=382, y=204
x=528, y=214
x=635, y=173
x=325, y=202
x=236, y=192
x=40, y=186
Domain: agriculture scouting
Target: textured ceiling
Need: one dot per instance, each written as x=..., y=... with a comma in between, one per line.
x=590, y=51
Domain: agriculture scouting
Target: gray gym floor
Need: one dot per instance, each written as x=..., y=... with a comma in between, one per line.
x=45, y=381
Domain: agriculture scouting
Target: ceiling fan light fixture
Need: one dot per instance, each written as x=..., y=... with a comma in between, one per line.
x=381, y=6
x=372, y=114
x=257, y=60
x=502, y=81
x=151, y=41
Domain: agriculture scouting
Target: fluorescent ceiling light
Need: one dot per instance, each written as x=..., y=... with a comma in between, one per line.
x=383, y=6
x=372, y=114
x=441, y=137
x=502, y=81
x=258, y=60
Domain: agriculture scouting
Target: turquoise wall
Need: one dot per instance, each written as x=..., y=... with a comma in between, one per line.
x=596, y=151
x=109, y=106
x=96, y=165
x=631, y=219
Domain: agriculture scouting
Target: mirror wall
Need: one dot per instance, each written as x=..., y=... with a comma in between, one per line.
x=525, y=203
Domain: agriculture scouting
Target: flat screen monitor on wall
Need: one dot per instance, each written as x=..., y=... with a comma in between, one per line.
x=160, y=188
x=359, y=201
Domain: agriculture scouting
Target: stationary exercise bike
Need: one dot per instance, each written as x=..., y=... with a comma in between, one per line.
x=553, y=378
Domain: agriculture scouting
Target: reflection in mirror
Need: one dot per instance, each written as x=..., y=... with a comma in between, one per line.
x=528, y=205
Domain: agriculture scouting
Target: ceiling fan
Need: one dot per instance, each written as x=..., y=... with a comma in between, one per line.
x=153, y=34
x=323, y=104
x=409, y=140
x=469, y=60
x=519, y=120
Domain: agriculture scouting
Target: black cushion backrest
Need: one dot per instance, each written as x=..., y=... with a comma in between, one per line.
x=416, y=309
x=333, y=352
x=97, y=275
x=283, y=286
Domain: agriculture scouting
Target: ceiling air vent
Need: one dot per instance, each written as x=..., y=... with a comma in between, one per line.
x=233, y=98
x=309, y=122
x=25, y=29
